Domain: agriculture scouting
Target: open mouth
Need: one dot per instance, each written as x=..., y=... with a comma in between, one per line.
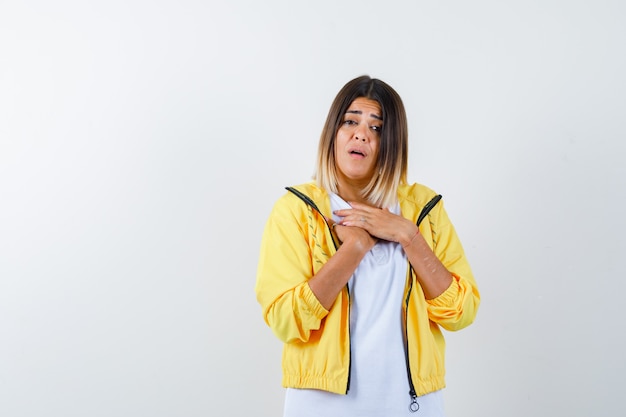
x=356, y=152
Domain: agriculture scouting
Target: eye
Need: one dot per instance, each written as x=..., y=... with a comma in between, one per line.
x=349, y=122
x=376, y=128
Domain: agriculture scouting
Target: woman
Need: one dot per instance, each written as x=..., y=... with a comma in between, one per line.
x=352, y=280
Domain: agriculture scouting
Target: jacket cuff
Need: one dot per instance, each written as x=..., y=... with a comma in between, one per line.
x=313, y=305
x=447, y=297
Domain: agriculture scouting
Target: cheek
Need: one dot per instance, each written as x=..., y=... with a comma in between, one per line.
x=375, y=147
x=341, y=136
x=341, y=141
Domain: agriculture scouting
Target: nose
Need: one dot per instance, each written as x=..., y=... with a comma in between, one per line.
x=360, y=134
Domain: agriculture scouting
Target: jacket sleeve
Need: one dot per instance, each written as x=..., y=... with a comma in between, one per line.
x=456, y=307
x=289, y=306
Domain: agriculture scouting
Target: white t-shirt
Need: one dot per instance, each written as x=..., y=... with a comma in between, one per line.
x=379, y=384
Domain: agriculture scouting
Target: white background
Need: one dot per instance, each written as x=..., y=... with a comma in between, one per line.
x=143, y=143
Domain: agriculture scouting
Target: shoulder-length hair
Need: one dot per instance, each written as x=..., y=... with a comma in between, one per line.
x=392, y=161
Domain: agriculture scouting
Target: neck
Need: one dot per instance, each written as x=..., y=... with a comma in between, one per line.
x=351, y=192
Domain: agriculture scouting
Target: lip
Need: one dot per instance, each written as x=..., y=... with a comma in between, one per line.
x=357, y=152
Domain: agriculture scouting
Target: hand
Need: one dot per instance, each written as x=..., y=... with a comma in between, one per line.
x=379, y=223
x=354, y=235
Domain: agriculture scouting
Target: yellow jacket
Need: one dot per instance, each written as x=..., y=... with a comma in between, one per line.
x=297, y=242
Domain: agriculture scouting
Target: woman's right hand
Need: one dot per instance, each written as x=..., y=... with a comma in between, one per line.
x=352, y=235
x=328, y=282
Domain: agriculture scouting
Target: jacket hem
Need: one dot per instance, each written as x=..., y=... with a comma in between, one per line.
x=422, y=386
x=426, y=386
x=315, y=382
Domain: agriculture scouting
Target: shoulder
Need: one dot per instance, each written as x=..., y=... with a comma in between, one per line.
x=413, y=198
x=415, y=193
x=310, y=190
x=292, y=200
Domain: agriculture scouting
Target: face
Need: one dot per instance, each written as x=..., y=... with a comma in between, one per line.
x=358, y=141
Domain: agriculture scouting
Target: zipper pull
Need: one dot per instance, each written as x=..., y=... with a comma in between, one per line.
x=414, y=405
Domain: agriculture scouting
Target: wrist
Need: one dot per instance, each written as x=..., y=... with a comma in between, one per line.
x=408, y=242
x=357, y=247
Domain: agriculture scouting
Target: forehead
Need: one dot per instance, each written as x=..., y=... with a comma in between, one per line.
x=366, y=106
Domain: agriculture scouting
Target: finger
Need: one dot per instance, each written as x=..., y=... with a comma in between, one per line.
x=352, y=214
x=356, y=221
x=362, y=206
x=343, y=212
x=329, y=220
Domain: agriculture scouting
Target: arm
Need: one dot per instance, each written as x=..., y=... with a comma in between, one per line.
x=297, y=281
x=336, y=273
x=432, y=275
x=457, y=306
x=443, y=272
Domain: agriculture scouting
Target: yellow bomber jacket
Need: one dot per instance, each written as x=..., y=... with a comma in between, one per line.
x=297, y=242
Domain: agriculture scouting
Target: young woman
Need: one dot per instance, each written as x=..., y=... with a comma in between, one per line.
x=359, y=270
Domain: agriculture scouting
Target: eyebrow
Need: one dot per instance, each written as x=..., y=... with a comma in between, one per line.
x=374, y=115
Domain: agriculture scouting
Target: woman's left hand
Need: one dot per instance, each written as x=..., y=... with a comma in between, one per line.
x=380, y=223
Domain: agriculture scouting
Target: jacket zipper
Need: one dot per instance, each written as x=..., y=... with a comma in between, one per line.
x=414, y=405
x=307, y=200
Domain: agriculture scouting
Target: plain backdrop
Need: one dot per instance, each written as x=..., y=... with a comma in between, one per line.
x=143, y=144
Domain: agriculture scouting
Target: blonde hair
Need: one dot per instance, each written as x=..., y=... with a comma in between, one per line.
x=392, y=161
